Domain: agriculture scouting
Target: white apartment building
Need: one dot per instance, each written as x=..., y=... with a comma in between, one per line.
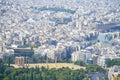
x=81, y=55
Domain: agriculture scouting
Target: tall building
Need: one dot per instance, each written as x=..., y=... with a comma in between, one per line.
x=77, y=56
x=81, y=55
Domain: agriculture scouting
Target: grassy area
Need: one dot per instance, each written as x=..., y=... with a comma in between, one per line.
x=53, y=65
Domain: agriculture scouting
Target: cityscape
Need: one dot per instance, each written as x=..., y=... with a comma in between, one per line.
x=38, y=36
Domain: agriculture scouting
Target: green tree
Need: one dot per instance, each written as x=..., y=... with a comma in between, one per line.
x=79, y=62
x=6, y=79
x=1, y=76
